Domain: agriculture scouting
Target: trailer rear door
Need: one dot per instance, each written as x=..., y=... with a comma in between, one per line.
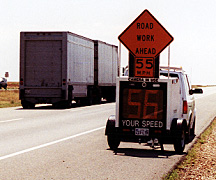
x=43, y=63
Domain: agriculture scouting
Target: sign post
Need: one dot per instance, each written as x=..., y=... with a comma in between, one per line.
x=145, y=38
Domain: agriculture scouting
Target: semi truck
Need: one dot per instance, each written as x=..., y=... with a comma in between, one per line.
x=58, y=67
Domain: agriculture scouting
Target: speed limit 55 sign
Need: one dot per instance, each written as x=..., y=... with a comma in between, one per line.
x=143, y=67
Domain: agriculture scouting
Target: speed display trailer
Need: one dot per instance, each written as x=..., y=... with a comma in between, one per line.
x=153, y=103
x=145, y=111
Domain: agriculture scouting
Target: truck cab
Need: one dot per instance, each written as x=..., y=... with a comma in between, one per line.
x=149, y=109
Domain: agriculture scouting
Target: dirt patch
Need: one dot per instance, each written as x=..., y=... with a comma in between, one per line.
x=200, y=162
x=204, y=165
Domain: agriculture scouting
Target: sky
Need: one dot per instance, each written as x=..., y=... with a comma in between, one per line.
x=191, y=23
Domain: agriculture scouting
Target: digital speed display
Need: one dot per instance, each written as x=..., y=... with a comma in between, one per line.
x=139, y=103
x=142, y=104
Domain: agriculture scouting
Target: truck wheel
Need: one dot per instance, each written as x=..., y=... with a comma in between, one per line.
x=113, y=141
x=192, y=131
x=27, y=105
x=110, y=98
x=179, y=143
x=62, y=104
x=66, y=104
x=84, y=102
x=31, y=106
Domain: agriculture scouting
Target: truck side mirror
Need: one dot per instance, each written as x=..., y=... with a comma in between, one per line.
x=195, y=91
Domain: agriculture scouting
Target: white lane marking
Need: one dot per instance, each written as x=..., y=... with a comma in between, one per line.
x=18, y=119
x=49, y=144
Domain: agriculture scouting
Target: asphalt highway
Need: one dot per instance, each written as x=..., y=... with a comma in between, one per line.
x=47, y=143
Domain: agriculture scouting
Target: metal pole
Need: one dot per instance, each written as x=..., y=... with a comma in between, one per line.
x=119, y=60
x=168, y=61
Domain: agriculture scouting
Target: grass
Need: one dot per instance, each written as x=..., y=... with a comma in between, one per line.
x=10, y=97
x=200, y=86
x=192, y=155
x=13, y=85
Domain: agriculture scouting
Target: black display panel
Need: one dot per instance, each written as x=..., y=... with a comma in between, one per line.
x=142, y=104
x=146, y=106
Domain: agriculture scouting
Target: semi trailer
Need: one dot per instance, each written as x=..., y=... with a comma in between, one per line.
x=58, y=67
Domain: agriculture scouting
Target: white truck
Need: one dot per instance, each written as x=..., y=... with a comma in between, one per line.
x=149, y=109
x=58, y=67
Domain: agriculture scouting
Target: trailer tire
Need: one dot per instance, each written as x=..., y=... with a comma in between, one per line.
x=113, y=141
x=179, y=143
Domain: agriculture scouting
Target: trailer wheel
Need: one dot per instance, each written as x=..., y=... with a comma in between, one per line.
x=113, y=141
x=179, y=143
